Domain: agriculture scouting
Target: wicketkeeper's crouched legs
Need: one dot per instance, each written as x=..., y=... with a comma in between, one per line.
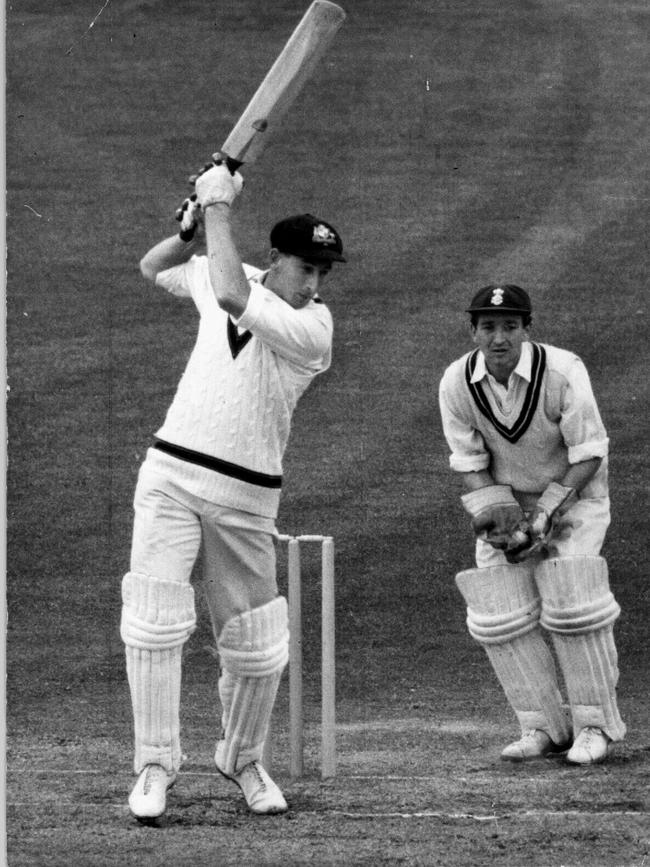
x=503, y=610
x=253, y=650
x=157, y=619
x=579, y=611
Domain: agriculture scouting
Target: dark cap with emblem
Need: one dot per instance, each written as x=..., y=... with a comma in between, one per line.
x=308, y=237
x=501, y=298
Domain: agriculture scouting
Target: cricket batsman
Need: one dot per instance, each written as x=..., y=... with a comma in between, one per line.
x=212, y=479
x=527, y=439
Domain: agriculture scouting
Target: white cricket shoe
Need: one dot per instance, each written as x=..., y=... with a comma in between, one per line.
x=262, y=795
x=148, y=799
x=590, y=747
x=533, y=744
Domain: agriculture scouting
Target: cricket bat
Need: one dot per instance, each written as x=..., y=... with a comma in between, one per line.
x=282, y=84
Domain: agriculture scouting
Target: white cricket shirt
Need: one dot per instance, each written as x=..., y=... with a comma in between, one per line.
x=529, y=433
x=240, y=387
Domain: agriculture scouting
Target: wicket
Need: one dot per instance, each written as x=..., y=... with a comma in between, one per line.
x=328, y=676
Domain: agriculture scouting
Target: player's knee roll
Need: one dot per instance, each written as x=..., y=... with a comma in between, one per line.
x=156, y=614
x=502, y=602
x=576, y=597
x=256, y=643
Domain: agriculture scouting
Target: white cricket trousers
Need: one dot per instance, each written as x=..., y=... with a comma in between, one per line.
x=171, y=527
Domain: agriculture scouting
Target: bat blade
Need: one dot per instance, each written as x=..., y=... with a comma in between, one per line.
x=283, y=82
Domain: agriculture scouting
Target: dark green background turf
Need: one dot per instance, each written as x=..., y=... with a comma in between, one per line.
x=453, y=145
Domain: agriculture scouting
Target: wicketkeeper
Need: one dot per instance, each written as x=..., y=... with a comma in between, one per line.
x=527, y=438
x=212, y=481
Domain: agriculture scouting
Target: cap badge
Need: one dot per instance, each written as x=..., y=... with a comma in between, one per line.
x=497, y=297
x=323, y=235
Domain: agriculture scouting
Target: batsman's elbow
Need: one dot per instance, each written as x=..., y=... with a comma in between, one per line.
x=232, y=303
x=147, y=269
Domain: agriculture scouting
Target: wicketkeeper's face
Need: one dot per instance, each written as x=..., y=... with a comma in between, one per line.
x=499, y=336
x=295, y=280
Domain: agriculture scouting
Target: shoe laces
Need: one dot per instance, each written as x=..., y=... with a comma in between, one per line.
x=531, y=735
x=253, y=769
x=149, y=779
x=590, y=734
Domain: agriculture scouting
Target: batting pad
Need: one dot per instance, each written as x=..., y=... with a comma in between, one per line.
x=503, y=610
x=579, y=611
x=254, y=650
x=157, y=619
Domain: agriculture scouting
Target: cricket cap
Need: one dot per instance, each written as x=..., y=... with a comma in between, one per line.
x=503, y=298
x=309, y=238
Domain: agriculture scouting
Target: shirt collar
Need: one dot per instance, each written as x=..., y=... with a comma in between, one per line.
x=523, y=368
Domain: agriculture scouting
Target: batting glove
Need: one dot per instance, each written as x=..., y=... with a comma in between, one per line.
x=217, y=185
x=190, y=217
x=495, y=514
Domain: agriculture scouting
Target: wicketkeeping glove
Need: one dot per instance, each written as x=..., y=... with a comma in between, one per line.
x=189, y=216
x=215, y=184
x=545, y=522
x=495, y=514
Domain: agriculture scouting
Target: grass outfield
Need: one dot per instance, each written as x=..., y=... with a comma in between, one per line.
x=453, y=145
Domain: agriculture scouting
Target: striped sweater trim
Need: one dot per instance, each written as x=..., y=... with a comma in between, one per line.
x=531, y=399
x=235, y=471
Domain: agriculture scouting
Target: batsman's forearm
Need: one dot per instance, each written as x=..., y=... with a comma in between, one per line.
x=172, y=251
x=227, y=276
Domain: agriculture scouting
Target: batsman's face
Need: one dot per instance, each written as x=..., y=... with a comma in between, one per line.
x=499, y=336
x=295, y=280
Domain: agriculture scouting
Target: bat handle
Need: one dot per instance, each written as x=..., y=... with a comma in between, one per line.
x=232, y=164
